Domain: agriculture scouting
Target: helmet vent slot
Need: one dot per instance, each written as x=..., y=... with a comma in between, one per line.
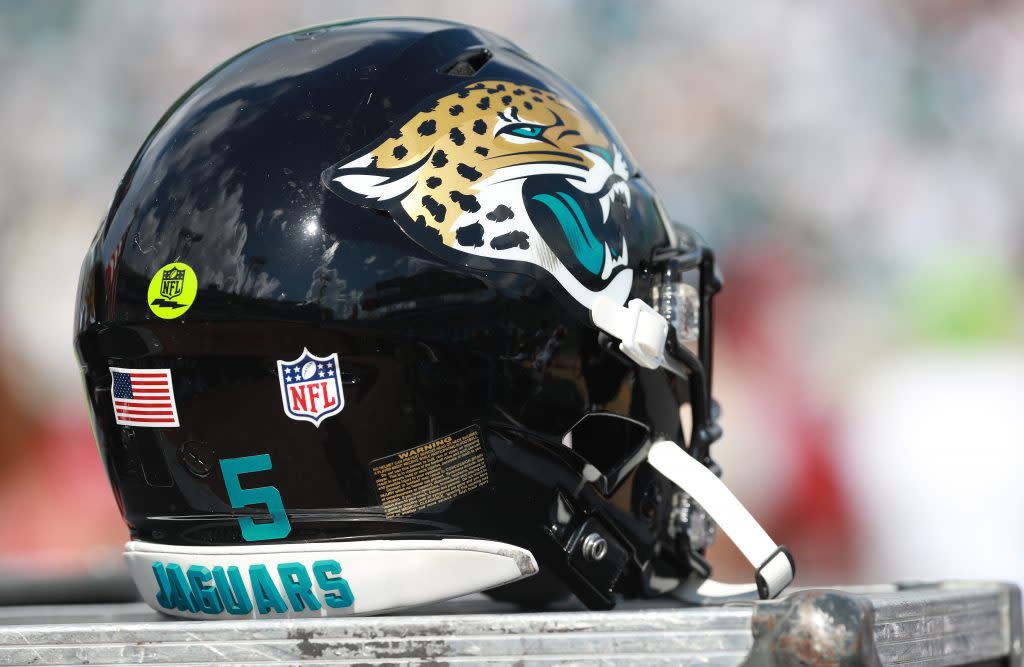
x=467, y=64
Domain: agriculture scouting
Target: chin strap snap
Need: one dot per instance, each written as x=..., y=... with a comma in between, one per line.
x=642, y=330
x=773, y=565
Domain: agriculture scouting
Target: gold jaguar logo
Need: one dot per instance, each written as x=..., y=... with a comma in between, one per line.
x=509, y=172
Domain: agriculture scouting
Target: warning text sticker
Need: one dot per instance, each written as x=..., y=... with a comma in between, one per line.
x=431, y=474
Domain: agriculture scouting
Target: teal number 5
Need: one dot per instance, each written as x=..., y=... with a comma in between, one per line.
x=262, y=495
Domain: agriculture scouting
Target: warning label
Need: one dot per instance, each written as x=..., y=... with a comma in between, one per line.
x=430, y=474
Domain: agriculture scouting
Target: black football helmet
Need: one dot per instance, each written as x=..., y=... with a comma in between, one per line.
x=383, y=313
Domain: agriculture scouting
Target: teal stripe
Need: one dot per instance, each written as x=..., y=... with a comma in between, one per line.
x=603, y=153
x=594, y=247
x=589, y=251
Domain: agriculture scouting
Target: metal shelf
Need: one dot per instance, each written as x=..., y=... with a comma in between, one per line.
x=927, y=625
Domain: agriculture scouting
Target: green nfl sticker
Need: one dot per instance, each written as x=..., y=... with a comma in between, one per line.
x=172, y=290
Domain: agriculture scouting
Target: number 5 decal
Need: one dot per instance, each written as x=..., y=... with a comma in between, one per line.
x=261, y=495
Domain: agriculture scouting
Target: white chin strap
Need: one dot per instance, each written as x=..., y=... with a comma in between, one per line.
x=773, y=565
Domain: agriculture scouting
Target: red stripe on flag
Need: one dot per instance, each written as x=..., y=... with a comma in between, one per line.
x=144, y=404
x=146, y=382
x=138, y=404
x=145, y=413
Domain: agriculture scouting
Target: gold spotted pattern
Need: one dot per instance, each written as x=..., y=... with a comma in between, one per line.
x=457, y=138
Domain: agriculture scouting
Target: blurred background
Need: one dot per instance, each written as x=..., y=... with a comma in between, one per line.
x=858, y=165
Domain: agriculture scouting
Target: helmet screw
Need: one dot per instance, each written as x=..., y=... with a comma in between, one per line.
x=594, y=547
x=197, y=457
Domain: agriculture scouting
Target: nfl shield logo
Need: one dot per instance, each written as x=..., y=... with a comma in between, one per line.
x=172, y=283
x=310, y=387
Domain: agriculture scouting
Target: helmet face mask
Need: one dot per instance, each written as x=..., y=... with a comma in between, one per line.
x=390, y=385
x=692, y=268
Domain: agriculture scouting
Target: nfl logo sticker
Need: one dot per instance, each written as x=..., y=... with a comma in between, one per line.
x=173, y=283
x=310, y=387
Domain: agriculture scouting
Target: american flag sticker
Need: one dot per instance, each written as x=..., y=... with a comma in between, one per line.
x=143, y=397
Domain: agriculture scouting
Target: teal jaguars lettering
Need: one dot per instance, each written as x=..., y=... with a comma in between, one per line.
x=223, y=590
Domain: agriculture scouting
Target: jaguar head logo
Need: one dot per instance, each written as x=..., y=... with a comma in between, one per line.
x=504, y=172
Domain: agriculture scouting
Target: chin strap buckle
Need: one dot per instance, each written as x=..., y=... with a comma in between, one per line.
x=775, y=574
x=642, y=330
x=774, y=565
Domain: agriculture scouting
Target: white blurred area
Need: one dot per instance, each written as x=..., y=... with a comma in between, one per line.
x=857, y=165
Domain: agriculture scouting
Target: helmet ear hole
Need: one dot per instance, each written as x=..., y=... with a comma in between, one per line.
x=611, y=443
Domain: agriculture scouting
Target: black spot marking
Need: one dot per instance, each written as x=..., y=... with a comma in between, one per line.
x=501, y=214
x=527, y=104
x=537, y=98
x=427, y=128
x=457, y=136
x=500, y=87
x=421, y=221
x=470, y=235
x=484, y=103
x=518, y=91
x=439, y=160
x=481, y=150
x=467, y=172
x=436, y=209
x=431, y=107
x=480, y=127
x=399, y=152
x=455, y=109
x=467, y=203
x=463, y=94
x=535, y=90
x=511, y=240
x=507, y=99
x=433, y=182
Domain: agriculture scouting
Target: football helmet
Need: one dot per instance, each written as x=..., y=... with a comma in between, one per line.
x=384, y=313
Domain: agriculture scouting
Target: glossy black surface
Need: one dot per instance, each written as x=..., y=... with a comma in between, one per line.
x=229, y=182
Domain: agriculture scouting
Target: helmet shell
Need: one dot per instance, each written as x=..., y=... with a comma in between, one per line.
x=238, y=182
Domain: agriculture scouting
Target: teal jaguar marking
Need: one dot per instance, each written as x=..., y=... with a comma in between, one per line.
x=219, y=590
x=588, y=250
